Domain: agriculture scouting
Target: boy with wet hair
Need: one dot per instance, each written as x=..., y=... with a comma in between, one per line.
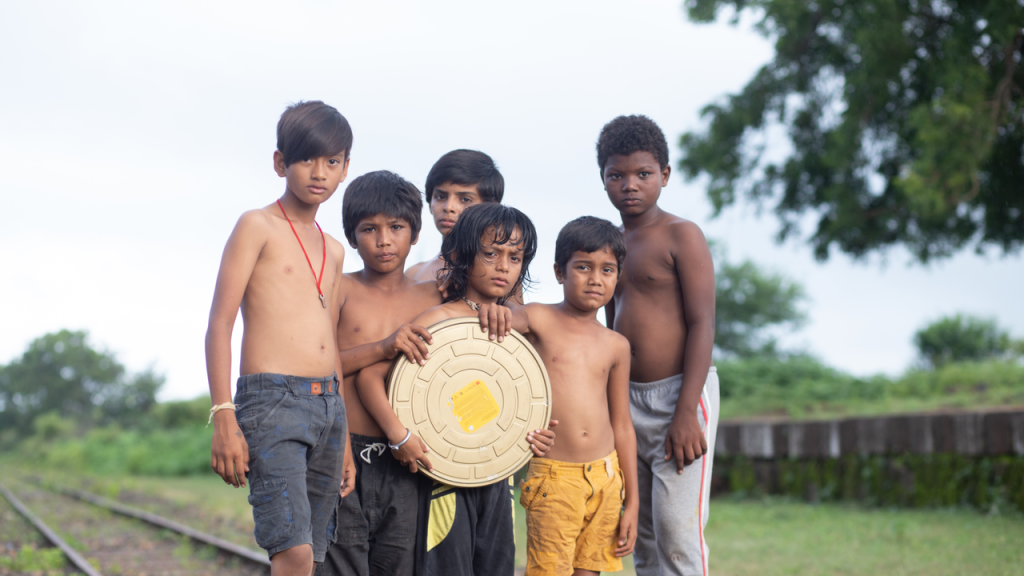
x=459, y=179
x=581, y=500
x=464, y=531
x=376, y=524
x=665, y=306
x=285, y=432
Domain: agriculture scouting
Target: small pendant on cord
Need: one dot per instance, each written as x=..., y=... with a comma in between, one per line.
x=322, y=301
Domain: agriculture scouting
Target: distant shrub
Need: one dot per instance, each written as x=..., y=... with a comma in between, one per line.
x=801, y=386
x=961, y=338
x=110, y=450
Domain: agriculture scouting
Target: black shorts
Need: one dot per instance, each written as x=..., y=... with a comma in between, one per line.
x=377, y=521
x=465, y=531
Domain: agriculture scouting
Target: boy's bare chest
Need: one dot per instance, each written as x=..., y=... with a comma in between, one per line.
x=576, y=353
x=283, y=267
x=648, y=270
x=369, y=317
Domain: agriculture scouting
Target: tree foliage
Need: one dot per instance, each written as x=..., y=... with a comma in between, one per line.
x=905, y=119
x=62, y=376
x=961, y=338
x=751, y=306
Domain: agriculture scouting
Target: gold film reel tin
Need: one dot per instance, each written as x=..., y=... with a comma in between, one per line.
x=473, y=402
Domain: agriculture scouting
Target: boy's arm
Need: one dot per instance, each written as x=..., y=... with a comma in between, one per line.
x=370, y=384
x=695, y=269
x=348, y=465
x=410, y=340
x=625, y=444
x=229, y=452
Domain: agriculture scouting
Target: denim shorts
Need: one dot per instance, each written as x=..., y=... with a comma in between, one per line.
x=295, y=428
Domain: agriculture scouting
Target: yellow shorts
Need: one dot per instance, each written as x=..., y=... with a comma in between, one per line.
x=572, y=515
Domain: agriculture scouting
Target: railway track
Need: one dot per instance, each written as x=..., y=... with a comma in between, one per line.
x=105, y=538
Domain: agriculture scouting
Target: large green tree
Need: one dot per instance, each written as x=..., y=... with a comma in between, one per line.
x=61, y=374
x=905, y=123
x=752, y=307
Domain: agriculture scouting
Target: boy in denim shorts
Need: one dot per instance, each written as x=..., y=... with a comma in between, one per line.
x=285, y=434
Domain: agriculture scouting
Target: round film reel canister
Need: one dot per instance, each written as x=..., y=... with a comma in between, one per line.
x=473, y=402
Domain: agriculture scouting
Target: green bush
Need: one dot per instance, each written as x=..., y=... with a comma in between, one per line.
x=111, y=450
x=801, y=386
x=906, y=480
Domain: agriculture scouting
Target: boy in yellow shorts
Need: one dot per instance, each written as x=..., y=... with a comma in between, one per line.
x=574, y=498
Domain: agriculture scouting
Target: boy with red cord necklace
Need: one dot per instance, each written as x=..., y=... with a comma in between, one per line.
x=285, y=433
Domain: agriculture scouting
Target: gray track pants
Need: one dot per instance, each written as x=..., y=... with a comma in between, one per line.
x=673, y=507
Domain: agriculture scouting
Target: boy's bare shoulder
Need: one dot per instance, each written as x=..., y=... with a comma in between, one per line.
x=335, y=249
x=616, y=342
x=426, y=287
x=415, y=269
x=255, y=220
x=683, y=230
x=434, y=314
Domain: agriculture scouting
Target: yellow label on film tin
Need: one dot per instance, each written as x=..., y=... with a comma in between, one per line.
x=474, y=406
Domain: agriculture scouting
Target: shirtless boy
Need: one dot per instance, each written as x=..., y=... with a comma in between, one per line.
x=376, y=524
x=459, y=179
x=285, y=434
x=464, y=531
x=665, y=306
x=574, y=496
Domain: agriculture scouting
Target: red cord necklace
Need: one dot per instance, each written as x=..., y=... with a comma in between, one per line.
x=311, y=269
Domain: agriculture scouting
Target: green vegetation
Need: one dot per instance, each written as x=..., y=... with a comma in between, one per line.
x=907, y=480
x=751, y=305
x=903, y=117
x=800, y=386
x=60, y=375
x=775, y=537
x=962, y=338
x=34, y=560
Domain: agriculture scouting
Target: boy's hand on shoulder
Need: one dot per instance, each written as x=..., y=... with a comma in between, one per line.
x=230, y=453
x=410, y=340
x=495, y=321
x=413, y=454
x=685, y=440
x=627, y=530
x=541, y=441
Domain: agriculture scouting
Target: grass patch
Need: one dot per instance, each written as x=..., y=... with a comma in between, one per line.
x=780, y=537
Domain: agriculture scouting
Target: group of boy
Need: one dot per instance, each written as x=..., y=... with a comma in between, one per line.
x=332, y=471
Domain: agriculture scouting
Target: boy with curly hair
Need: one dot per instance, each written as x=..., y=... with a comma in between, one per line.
x=665, y=306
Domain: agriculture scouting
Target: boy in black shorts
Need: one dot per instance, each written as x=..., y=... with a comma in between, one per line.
x=465, y=531
x=377, y=522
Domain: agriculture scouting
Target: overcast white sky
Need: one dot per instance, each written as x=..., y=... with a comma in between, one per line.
x=133, y=134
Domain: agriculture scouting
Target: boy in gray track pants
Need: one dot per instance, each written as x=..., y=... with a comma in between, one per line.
x=664, y=305
x=666, y=497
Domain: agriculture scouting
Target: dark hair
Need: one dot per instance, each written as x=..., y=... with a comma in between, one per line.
x=589, y=234
x=311, y=129
x=467, y=168
x=380, y=192
x=627, y=134
x=460, y=247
